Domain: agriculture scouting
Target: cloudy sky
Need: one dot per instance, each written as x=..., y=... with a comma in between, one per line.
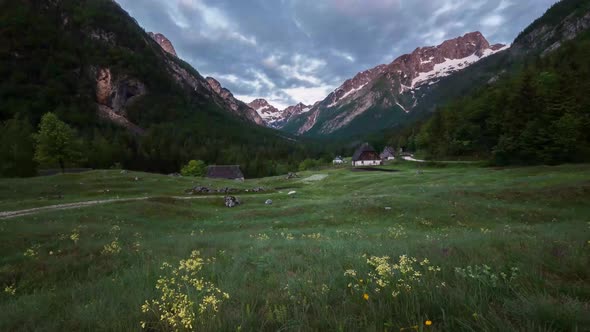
x=288, y=51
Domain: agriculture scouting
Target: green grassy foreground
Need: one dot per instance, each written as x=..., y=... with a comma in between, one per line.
x=494, y=249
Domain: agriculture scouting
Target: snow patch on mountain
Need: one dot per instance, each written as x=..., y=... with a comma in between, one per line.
x=450, y=66
x=348, y=93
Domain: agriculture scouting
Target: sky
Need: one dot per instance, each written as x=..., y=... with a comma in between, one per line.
x=291, y=51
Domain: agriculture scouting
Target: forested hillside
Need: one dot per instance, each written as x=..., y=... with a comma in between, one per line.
x=51, y=53
x=539, y=115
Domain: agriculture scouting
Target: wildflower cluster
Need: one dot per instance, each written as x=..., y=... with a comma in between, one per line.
x=388, y=276
x=113, y=248
x=287, y=236
x=424, y=222
x=261, y=237
x=484, y=274
x=10, y=290
x=176, y=308
x=313, y=236
x=33, y=252
x=397, y=231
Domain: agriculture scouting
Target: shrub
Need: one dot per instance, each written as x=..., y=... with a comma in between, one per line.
x=194, y=168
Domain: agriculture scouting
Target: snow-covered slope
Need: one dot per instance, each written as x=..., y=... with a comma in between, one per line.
x=449, y=66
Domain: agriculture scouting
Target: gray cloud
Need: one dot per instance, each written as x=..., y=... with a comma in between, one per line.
x=289, y=51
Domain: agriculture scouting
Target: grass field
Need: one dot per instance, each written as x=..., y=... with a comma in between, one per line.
x=457, y=248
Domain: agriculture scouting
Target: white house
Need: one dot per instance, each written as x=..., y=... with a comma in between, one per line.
x=338, y=161
x=366, y=155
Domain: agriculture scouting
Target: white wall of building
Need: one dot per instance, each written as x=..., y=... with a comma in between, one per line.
x=367, y=163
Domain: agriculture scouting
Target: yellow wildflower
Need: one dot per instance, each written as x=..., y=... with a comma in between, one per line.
x=75, y=236
x=428, y=323
x=10, y=290
x=366, y=297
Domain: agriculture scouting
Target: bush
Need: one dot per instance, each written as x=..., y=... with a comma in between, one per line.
x=308, y=164
x=194, y=168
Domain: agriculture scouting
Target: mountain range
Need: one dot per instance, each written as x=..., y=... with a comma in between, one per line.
x=134, y=101
x=386, y=95
x=405, y=75
x=396, y=88
x=415, y=84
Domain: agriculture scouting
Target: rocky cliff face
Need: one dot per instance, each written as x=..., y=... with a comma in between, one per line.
x=114, y=94
x=163, y=42
x=223, y=97
x=548, y=37
x=235, y=105
x=395, y=86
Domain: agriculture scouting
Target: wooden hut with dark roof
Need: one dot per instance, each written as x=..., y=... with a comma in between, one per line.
x=366, y=155
x=229, y=172
x=388, y=153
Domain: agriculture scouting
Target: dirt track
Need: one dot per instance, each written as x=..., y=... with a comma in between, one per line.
x=69, y=206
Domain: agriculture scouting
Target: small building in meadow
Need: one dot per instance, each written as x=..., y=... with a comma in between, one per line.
x=229, y=172
x=366, y=155
x=338, y=161
x=388, y=154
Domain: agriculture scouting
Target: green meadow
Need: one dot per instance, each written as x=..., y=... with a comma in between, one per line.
x=452, y=247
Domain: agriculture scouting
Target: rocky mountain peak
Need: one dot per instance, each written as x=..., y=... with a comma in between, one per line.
x=163, y=42
x=267, y=112
x=428, y=64
x=399, y=81
x=260, y=104
x=274, y=117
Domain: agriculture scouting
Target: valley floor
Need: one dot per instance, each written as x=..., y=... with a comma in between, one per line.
x=458, y=248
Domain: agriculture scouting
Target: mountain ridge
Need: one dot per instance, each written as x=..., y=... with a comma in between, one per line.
x=401, y=79
x=274, y=117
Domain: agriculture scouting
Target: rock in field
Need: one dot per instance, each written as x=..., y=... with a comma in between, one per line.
x=268, y=202
x=231, y=201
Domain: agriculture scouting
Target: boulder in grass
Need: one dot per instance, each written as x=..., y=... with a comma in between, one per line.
x=292, y=193
x=231, y=201
x=268, y=202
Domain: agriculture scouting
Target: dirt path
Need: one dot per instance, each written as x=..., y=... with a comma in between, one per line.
x=69, y=206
